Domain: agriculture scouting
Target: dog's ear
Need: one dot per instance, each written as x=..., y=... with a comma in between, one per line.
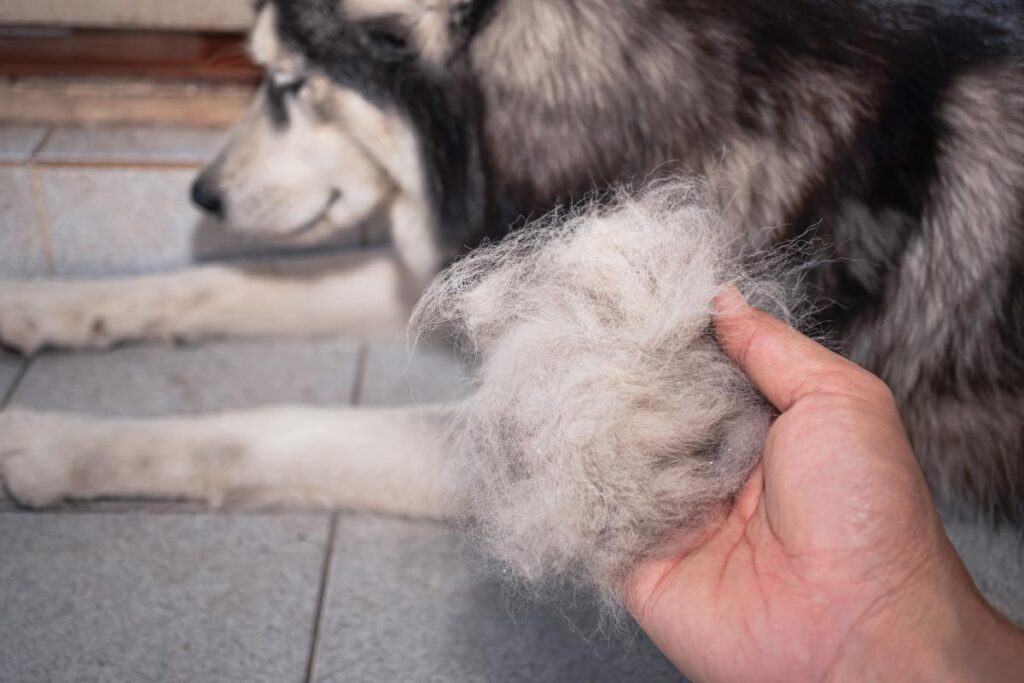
x=265, y=45
x=364, y=8
x=429, y=25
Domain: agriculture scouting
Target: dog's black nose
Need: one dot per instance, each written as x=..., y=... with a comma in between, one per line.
x=207, y=197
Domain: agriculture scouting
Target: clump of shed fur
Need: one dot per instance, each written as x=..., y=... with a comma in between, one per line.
x=605, y=419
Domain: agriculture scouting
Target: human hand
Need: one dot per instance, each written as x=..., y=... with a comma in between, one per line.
x=832, y=564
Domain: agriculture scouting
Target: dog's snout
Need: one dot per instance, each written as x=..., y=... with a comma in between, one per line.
x=208, y=197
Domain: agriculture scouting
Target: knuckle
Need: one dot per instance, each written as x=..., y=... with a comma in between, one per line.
x=853, y=382
x=874, y=387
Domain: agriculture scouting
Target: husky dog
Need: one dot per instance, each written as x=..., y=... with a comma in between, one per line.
x=895, y=139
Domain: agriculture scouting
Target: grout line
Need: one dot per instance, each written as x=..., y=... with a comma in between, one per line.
x=42, y=143
x=360, y=376
x=9, y=394
x=318, y=616
x=42, y=222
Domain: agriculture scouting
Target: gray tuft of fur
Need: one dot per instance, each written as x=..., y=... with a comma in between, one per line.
x=605, y=421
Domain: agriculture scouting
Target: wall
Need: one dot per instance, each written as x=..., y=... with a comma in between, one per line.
x=184, y=14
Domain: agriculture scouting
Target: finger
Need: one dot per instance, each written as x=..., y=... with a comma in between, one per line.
x=783, y=364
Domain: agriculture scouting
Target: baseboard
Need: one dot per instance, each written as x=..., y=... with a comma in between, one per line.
x=185, y=55
x=56, y=75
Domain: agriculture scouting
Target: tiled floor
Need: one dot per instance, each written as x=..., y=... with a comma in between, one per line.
x=22, y=242
x=165, y=592
x=132, y=591
x=151, y=381
x=84, y=202
x=144, y=591
x=158, y=597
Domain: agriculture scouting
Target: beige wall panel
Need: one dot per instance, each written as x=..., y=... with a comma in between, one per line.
x=109, y=102
x=183, y=14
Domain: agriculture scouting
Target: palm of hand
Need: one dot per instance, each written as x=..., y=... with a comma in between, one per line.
x=835, y=520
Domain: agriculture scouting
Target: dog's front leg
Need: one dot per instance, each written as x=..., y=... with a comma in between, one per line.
x=365, y=294
x=386, y=460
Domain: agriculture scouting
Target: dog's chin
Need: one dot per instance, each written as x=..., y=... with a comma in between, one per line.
x=317, y=228
x=313, y=233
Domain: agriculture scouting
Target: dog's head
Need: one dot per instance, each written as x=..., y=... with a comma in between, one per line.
x=359, y=111
x=291, y=165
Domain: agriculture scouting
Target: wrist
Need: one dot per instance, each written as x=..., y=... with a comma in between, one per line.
x=933, y=635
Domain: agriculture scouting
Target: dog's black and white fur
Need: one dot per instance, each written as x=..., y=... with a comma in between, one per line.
x=894, y=140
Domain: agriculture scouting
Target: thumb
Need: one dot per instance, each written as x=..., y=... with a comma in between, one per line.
x=782, y=363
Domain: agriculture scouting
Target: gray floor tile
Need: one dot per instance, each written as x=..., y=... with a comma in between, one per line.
x=21, y=245
x=10, y=366
x=128, y=144
x=405, y=603
x=162, y=598
x=995, y=558
x=431, y=374
x=118, y=221
x=17, y=142
x=156, y=380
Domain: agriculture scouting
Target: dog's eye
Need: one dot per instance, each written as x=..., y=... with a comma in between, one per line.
x=462, y=14
x=387, y=38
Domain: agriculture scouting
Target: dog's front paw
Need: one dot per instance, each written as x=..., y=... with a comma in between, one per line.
x=33, y=464
x=36, y=315
x=21, y=327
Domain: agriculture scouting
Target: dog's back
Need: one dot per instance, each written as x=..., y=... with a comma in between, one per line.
x=896, y=140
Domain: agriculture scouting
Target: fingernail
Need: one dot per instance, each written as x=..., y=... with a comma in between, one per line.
x=730, y=301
